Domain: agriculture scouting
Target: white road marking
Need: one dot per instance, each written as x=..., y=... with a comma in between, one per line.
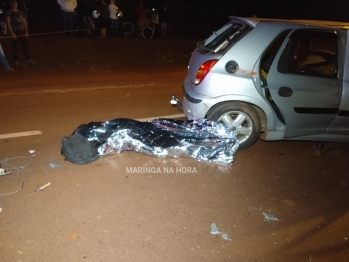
x=20, y=134
x=62, y=89
x=168, y=116
x=38, y=132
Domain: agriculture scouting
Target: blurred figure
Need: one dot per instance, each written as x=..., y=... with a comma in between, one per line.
x=113, y=17
x=68, y=9
x=3, y=60
x=103, y=20
x=164, y=18
x=154, y=20
x=141, y=18
x=18, y=28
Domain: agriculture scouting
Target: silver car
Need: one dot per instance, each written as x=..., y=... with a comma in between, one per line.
x=273, y=79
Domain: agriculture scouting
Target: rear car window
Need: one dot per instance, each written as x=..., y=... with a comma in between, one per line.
x=225, y=37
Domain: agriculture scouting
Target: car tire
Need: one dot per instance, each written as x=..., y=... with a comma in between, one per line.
x=242, y=118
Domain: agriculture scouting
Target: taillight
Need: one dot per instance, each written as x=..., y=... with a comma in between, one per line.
x=203, y=70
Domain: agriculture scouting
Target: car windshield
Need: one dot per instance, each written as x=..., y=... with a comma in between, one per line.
x=220, y=40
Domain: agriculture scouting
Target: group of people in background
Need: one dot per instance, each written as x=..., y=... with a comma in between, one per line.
x=158, y=16
x=18, y=28
x=180, y=18
x=183, y=17
x=109, y=15
x=106, y=11
x=188, y=18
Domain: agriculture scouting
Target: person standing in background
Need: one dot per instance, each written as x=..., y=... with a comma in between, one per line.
x=114, y=13
x=103, y=19
x=141, y=18
x=68, y=9
x=18, y=28
x=164, y=19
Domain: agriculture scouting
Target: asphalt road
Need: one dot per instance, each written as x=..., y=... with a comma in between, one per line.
x=102, y=212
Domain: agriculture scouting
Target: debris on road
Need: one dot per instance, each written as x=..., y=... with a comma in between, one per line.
x=270, y=217
x=289, y=202
x=40, y=188
x=201, y=139
x=215, y=231
x=54, y=165
x=225, y=236
x=4, y=172
x=12, y=175
x=319, y=147
x=74, y=236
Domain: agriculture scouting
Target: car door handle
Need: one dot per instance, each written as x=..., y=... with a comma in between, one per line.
x=285, y=91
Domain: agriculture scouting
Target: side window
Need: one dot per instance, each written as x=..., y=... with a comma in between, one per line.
x=311, y=53
x=270, y=53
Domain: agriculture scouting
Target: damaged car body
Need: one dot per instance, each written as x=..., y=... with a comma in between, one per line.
x=272, y=79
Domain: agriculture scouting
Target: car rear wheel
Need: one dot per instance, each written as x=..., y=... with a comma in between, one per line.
x=242, y=118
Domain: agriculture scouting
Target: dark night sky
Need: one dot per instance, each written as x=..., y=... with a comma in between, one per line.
x=44, y=15
x=337, y=10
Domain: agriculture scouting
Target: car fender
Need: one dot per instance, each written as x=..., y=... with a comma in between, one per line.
x=260, y=103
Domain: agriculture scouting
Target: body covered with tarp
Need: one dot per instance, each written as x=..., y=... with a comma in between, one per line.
x=201, y=139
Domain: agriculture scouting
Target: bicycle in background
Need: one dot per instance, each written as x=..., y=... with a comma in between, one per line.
x=149, y=28
x=90, y=25
x=152, y=23
x=127, y=28
x=85, y=26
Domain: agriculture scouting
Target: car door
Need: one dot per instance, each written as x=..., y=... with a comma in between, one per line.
x=303, y=81
x=340, y=125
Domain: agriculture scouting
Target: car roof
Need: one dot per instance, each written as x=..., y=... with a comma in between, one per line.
x=254, y=21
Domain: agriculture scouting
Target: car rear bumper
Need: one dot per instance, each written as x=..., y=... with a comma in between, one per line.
x=195, y=105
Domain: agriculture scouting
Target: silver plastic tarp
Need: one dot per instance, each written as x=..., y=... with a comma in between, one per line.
x=201, y=139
